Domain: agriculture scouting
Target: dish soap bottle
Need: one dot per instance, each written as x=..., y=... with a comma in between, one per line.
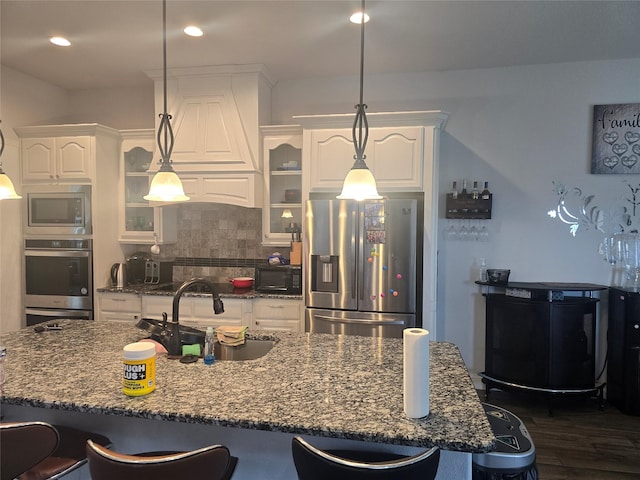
x=483, y=270
x=209, y=340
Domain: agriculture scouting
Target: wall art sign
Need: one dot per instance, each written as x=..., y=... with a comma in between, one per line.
x=616, y=138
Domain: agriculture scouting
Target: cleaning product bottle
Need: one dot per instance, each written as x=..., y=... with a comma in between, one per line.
x=209, y=340
x=483, y=271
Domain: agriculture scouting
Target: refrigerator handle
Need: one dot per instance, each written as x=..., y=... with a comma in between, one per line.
x=330, y=319
x=354, y=236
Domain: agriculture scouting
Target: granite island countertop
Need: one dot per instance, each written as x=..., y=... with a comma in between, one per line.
x=336, y=386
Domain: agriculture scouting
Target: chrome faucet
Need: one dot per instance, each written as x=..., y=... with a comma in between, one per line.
x=172, y=340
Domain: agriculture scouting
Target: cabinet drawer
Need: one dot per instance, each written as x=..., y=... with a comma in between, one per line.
x=120, y=302
x=277, y=310
x=153, y=306
x=234, y=311
x=278, y=325
x=128, y=317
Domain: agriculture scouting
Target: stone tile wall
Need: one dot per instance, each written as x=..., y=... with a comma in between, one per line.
x=218, y=242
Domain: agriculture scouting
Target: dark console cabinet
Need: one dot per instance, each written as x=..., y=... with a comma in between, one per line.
x=623, y=368
x=541, y=344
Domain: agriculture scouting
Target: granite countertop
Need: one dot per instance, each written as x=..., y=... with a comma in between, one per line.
x=319, y=384
x=225, y=290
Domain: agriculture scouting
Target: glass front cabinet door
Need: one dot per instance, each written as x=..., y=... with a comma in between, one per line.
x=282, y=211
x=141, y=222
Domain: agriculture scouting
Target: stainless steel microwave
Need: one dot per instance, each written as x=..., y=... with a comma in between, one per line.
x=285, y=279
x=58, y=209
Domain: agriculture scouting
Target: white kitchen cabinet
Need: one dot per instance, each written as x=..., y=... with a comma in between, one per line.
x=122, y=307
x=61, y=159
x=140, y=221
x=278, y=314
x=282, y=156
x=400, y=150
x=237, y=312
x=65, y=153
x=154, y=305
x=198, y=311
x=394, y=156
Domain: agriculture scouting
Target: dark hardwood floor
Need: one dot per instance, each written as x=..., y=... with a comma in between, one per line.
x=579, y=441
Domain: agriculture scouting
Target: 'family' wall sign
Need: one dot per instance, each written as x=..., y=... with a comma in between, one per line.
x=616, y=138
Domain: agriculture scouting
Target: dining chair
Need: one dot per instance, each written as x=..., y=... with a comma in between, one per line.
x=314, y=464
x=42, y=451
x=212, y=463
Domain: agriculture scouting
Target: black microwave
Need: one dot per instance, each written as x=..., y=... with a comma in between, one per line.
x=279, y=279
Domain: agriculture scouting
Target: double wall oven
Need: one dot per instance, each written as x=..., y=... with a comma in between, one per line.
x=58, y=254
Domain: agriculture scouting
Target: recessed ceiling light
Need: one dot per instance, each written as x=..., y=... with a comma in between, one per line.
x=193, y=31
x=60, y=41
x=357, y=18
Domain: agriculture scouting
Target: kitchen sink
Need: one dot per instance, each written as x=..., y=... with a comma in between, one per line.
x=251, y=350
x=188, y=335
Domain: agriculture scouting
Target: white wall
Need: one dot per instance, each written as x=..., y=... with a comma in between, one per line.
x=119, y=108
x=518, y=128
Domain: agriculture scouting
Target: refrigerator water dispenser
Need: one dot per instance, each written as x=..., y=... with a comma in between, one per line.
x=324, y=273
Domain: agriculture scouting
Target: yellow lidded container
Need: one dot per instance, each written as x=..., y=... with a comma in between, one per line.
x=139, y=368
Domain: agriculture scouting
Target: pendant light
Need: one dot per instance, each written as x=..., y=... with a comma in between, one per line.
x=7, y=192
x=166, y=185
x=359, y=184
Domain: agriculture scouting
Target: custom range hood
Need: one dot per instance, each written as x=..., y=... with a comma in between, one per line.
x=216, y=116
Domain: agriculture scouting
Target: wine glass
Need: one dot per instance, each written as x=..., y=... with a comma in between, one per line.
x=452, y=233
x=463, y=233
x=473, y=233
x=483, y=234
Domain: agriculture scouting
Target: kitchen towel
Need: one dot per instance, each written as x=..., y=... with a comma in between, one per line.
x=229, y=335
x=416, y=372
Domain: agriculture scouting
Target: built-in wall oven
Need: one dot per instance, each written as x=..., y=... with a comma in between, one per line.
x=58, y=279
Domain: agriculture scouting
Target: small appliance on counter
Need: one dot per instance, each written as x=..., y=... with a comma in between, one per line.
x=286, y=279
x=119, y=275
x=158, y=271
x=136, y=267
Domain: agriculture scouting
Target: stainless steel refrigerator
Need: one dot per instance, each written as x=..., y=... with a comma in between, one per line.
x=363, y=271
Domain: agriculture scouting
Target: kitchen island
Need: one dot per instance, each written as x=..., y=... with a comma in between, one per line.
x=344, y=391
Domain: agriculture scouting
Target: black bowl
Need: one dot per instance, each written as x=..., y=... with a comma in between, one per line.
x=498, y=276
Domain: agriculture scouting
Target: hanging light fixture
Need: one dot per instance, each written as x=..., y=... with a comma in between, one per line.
x=359, y=184
x=7, y=192
x=166, y=185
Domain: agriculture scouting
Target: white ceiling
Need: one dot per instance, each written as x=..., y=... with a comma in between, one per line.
x=115, y=41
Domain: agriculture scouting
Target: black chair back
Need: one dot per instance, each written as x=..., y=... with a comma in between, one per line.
x=24, y=445
x=315, y=464
x=206, y=463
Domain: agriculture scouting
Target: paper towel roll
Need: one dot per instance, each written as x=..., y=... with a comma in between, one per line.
x=416, y=372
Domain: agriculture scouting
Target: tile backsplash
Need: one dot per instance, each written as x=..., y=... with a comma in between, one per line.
x=218, y=241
